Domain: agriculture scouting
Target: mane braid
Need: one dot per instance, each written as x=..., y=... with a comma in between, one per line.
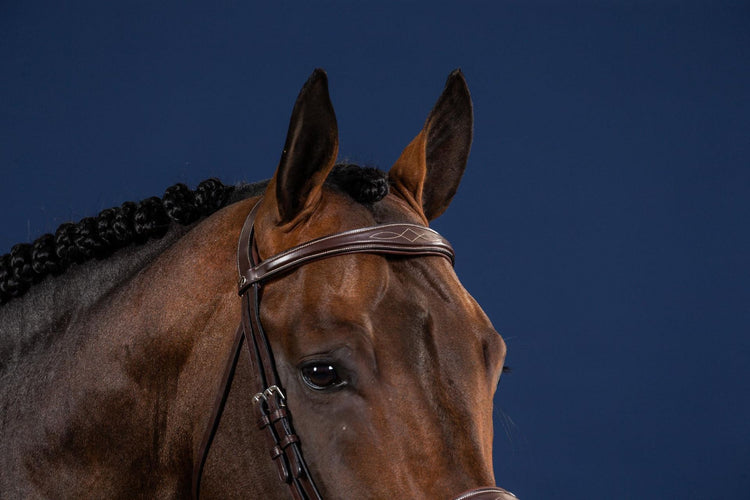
x=136, y=223
x=98, y=237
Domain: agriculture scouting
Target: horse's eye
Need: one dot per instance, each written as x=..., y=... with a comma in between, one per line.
x=321, y=376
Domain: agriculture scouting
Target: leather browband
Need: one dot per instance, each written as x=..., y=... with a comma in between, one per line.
x=393, y=239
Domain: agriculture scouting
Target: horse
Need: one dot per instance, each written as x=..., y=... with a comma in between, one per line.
x=369, y=371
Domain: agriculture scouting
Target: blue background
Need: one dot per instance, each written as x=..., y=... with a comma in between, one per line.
x=602, y=222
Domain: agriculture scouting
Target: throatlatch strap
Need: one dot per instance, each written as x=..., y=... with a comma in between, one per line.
x=218, y=409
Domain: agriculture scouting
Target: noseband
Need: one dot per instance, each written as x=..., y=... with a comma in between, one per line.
x=273, y=414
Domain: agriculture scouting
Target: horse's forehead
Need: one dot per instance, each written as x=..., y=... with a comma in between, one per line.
x=373, y=292
x=379, y=296
x=345, y=289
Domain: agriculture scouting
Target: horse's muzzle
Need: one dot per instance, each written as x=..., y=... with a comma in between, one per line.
x=491, y=493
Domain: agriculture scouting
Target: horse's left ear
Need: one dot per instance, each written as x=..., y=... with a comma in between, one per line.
x=429, y=170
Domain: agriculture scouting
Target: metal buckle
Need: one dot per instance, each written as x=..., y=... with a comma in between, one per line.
x=266, y=394
x=258, y=398
x=274, y=388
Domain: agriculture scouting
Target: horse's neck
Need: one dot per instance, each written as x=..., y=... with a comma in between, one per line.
x=26, y=324
x=239, y=464
x=46, y=374
x=34, y=322
x=114, y=392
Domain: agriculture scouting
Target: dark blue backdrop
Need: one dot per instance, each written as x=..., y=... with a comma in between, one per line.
x=602, y=221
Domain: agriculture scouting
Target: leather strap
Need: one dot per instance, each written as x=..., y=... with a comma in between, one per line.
x=218, y=409
x=270, y=405
x=393, y=239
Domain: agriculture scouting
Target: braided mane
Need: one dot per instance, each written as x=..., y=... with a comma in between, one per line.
x=98, y=237
x=135, y=223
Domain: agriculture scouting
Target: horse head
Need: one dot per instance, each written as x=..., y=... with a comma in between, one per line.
x=388, y=364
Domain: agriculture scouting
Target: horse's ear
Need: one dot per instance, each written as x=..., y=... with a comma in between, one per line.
x=309, y=151
x=429, y=170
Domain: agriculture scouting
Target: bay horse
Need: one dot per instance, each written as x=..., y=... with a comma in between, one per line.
x=369, y=371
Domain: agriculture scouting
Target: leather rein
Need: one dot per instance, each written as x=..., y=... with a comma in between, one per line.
x=274, y=416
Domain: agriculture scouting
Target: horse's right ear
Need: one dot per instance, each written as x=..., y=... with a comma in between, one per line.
x=309, y=151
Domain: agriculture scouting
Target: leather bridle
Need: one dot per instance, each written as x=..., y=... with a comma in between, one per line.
x=273, y=414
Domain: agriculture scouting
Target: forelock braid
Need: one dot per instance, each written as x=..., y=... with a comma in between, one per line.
x=364, y=184
x=97, y=237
